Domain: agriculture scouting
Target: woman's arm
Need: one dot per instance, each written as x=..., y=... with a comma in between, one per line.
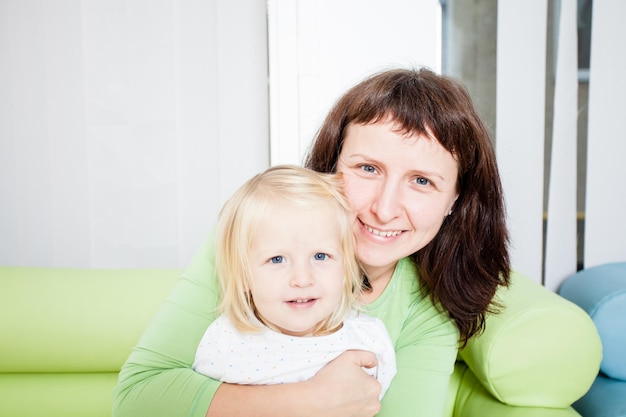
x=340, y=389
x=157, y=379
x=426, y=344
x=425, y=356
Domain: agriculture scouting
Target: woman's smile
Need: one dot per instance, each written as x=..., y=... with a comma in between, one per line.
x=381, y=233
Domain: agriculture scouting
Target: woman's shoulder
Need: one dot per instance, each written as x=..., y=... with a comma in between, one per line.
x=405, y=280
x=408, y=309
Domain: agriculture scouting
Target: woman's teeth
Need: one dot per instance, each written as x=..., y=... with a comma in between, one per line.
x=382, y=233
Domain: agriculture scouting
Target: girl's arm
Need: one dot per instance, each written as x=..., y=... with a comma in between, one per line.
x=157, y=379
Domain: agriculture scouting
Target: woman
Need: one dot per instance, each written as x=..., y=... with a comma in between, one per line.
x=420, y=172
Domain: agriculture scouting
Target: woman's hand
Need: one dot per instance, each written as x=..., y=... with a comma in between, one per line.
x=340, y=389
x=344, y=389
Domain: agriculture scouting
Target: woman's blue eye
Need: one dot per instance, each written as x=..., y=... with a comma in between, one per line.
x=368, y=168
x=277, y=259
x=320, y=256
x=422, y=181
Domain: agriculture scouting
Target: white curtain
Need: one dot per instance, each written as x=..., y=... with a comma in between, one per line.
x=124, y=125
x=520, y=125
x=605, y=229
x=560, y=251
x=521, y=138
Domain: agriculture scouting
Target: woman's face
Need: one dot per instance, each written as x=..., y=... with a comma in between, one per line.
x=401, y=188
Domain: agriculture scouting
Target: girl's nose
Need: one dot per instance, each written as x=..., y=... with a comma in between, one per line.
x=301, y=276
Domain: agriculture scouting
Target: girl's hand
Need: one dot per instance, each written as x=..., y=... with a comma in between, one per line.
x=344, y=389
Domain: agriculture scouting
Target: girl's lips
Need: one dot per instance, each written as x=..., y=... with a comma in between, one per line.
x=302, y=302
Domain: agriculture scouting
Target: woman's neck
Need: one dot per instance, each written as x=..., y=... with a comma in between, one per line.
x=378, y=278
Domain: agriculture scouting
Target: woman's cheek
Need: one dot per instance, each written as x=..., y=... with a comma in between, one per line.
x=357, y=193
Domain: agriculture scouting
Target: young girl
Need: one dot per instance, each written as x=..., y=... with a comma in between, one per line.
x=290, y=283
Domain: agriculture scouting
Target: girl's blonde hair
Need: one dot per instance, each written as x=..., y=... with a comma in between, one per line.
x=252, y=204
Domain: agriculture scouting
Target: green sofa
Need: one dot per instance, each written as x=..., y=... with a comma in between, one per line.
x=65, y=333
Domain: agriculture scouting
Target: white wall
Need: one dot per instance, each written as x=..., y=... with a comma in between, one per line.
x=320, y=48
x=124, y=125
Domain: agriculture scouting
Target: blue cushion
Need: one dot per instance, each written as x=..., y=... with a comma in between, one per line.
x=601, y=292
x=606, y=398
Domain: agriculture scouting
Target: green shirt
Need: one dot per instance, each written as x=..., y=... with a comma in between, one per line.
x=157, y=379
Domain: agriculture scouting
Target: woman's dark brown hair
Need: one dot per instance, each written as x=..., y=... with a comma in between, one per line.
x=466, y=262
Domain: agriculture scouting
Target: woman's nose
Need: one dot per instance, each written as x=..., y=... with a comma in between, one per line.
x=386, y=203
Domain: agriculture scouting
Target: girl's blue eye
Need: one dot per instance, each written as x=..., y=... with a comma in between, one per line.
x=277, y=259
x=320, y=256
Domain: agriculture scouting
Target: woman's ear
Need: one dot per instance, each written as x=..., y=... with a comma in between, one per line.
x=452, y=203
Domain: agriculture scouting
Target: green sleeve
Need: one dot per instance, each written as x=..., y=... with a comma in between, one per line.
x=157, y=379
x=426, y=343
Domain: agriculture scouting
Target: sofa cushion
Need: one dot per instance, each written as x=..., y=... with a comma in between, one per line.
x=84, y=320
x=601, y=291
x=57, y=395
x=606, y=398
x=541, y=350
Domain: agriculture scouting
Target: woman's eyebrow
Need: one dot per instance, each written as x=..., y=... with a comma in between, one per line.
x=429, y=174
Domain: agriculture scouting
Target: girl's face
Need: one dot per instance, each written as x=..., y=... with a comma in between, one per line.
x=297, y=268
x=401, y=188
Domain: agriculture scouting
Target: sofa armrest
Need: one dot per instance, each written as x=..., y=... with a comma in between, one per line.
x=541, y=350
x=601, y=292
